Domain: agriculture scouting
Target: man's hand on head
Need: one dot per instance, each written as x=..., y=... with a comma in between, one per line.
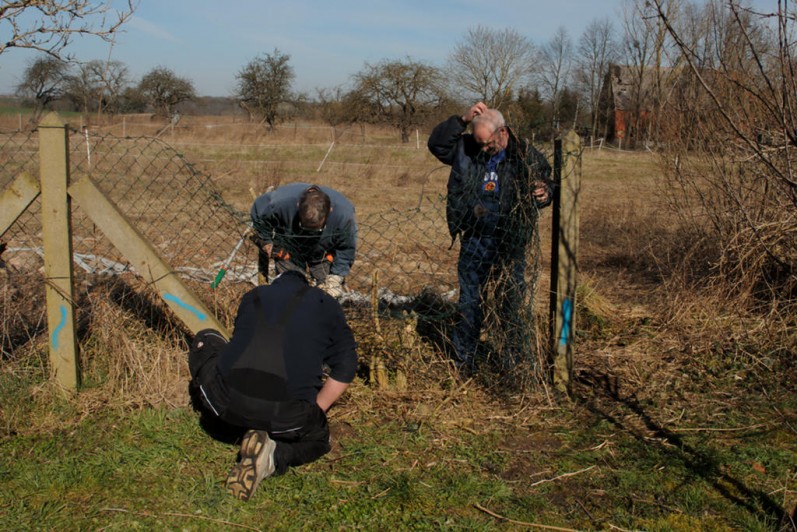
x=473, y=112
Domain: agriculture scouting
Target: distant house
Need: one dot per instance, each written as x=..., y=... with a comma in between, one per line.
x=629, y=99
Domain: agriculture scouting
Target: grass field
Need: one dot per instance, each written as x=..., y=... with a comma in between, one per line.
x=683, y=414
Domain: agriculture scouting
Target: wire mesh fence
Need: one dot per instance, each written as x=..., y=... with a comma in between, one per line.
x=404, y=254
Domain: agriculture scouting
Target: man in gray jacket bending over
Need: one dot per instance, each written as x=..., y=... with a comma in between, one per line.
x=309, y=228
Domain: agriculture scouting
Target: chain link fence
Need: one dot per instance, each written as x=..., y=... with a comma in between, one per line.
x=404, y=256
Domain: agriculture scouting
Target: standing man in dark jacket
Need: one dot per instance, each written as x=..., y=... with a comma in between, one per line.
x=307, y=227
x=496, y=186
x=269, y=377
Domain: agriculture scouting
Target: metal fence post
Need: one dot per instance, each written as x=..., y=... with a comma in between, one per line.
x=57, y=240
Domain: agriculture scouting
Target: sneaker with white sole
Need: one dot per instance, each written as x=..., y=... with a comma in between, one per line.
x=257, y=462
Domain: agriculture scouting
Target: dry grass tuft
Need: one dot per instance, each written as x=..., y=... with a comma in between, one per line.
x=146, y=368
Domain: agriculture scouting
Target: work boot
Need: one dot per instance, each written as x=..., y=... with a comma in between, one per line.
x=257, y=462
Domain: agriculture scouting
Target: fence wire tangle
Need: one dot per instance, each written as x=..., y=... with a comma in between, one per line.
x=172, y=204
x=179, y=208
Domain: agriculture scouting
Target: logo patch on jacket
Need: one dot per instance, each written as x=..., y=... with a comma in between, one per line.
x=490, y=182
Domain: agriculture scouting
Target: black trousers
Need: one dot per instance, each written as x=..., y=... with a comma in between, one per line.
x=299, y=428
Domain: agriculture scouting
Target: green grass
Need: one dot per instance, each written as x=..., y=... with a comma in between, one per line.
x=143, y=468
x=6, y=110
x=157, y=468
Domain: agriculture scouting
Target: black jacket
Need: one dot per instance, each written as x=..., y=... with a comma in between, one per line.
x=284, y=333
x=522, y=166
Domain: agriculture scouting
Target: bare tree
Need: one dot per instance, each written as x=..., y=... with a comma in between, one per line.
x=131, y=100
x=263, y=84
x=698, y=31
x=596, y=50
x=400, y=93
x=637, y=50
x=553, y=75
x=528, y=113
x=340, y=108
x=731, y=136
x=490, y=65
x=49, y=26
x=98, y=85
x=43, y=82
x=647, y=52
x=331, y=106
x=163, y=90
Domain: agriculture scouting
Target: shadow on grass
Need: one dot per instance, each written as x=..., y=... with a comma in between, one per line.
x=146, y=307
x=698, y=461
x=23, y=314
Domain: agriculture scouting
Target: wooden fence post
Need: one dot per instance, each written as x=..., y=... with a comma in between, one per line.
x=56, y=192
x=564, y=257
x=57, y=239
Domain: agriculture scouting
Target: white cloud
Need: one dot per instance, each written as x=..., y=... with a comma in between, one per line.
x=151, y=28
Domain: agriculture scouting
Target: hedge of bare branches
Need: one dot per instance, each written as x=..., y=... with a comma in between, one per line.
x=729, y=134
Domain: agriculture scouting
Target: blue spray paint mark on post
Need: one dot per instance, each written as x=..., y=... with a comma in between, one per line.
x=61, y=325
x=179, y=302
x=567, y=314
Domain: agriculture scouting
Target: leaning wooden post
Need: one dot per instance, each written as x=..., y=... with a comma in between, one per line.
x=564, y=257
x=57, y=239
x=143, y=257
x=16, y=198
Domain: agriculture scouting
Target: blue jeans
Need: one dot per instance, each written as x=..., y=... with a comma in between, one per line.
x=481, y=259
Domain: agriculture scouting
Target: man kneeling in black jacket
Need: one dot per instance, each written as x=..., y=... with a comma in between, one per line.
x=269, y=379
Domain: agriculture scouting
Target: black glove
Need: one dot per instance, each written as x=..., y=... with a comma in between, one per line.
x=258, y=240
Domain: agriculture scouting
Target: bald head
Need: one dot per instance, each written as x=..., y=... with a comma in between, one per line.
x=491, y=118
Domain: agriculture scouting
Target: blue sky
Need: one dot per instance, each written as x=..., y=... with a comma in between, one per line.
x=208, y=41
